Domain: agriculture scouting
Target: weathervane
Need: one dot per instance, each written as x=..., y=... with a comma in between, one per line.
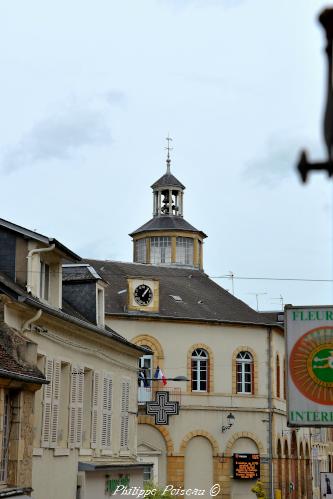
x=304, y=167
x=168, y=148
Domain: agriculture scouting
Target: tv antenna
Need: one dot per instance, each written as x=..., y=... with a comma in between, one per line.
x=257, y=298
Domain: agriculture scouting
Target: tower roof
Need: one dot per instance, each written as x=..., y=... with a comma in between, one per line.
x=168, y=180
x=166, y=223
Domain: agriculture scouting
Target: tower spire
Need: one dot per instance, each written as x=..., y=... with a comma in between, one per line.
x=168, y=148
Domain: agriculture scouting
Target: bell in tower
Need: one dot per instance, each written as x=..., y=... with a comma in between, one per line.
x=168, y=239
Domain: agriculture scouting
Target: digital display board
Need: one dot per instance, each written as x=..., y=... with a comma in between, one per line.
x=246, y=466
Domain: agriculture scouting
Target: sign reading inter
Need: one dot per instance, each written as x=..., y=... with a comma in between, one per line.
x=246, y=466
x=309, y=342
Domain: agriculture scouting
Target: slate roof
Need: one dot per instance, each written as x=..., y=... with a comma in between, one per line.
x=68, y=312
x=10, y=365
x=30, y=234
x=274, y=316
x=202, y=298
x=167, y=180
x=165, y=223
x=79, y=272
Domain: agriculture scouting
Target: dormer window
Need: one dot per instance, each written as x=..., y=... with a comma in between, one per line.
x=44, y=283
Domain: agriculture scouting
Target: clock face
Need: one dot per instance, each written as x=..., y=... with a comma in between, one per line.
x=143, y=294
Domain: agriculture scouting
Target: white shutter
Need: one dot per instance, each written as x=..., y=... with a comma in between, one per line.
x=55, y=403
x=106, y=412
x=47, y=404
x=94, y=409
x=72, y=408
x=79, y=407
x=124, y=414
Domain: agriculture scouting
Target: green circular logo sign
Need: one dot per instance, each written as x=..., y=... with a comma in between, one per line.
x=321, y=368
x=311, y=365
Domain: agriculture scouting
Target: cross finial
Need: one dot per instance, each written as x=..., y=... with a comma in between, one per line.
x=168, y=148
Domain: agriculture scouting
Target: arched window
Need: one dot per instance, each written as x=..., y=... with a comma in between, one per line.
x=244, y=372
x=278, y=377
x=284, y=379
x=199, y=374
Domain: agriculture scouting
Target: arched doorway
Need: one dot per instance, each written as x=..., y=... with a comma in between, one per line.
x=279, y=469
x=302, y=471
x=285, y=485
x=152, y=449
x=241, y=489
x=294, y=465
x=308, y=472
x=199, y=463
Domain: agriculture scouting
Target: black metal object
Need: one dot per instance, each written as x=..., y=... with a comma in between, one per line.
x=162, y=408
x=231, y=420
x=304, y=166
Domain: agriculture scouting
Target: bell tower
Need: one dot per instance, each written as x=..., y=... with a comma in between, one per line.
x=168, y=192
x=168, y=239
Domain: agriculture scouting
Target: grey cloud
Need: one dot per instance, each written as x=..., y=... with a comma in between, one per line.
x=59, y=137
x=279, y=161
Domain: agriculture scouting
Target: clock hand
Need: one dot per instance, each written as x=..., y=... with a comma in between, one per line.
x=145, y=292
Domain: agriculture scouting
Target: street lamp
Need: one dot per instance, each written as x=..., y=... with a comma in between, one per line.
x=231, y=420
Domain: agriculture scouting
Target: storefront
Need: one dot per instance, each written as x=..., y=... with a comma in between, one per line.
x=101, y=480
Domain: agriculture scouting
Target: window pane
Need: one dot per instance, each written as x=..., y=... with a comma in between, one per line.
x=140, y=251
x=184, y=250
x=160, y=250
x=199, y=370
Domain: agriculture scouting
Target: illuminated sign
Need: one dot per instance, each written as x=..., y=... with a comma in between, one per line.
x=246, y=466
x=309, y=341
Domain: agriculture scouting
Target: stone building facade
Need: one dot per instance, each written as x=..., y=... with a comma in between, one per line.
x=234, y=399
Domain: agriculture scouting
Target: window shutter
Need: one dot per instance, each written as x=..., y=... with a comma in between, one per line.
x=72, y=408
x=79, y=407
x=94, y=409
x=106, y=412
x=124, y=414
x=55, y=403
x=47, y=404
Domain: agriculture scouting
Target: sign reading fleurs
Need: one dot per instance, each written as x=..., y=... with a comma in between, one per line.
x=309, y=337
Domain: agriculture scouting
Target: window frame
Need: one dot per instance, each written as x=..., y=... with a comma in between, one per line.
x=199, y=365
x=244, y=367
x=140, y=250
x=44, y=281
x=160, y=250
x=184, y=245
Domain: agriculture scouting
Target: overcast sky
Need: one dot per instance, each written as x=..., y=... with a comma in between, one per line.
x=90, y=90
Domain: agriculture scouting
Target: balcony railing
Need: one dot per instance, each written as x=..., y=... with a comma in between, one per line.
x=146, y=394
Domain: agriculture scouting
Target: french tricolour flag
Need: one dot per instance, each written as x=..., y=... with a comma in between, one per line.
x=159, y=375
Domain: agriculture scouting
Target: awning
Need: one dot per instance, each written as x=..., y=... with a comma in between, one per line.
x=109, y=466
